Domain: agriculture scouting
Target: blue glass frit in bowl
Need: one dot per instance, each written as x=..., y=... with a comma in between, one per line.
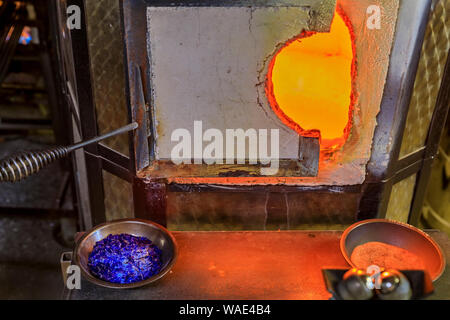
x=158, y=235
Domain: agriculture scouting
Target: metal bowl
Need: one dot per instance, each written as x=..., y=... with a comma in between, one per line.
x=397, y=234
x=159, y=235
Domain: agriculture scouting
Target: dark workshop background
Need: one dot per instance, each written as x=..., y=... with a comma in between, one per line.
x=39, y=216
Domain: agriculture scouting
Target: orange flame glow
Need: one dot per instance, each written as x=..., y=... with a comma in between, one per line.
x=310, y=83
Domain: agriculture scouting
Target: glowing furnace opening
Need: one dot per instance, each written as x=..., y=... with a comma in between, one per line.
x=310, y=83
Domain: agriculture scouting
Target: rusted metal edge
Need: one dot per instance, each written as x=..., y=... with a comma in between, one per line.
x=140, y=115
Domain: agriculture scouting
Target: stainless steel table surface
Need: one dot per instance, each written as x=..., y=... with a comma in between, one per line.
x=250, y=265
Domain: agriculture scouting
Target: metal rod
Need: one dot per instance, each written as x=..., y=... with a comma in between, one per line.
x=20, y=166
x=82, y=144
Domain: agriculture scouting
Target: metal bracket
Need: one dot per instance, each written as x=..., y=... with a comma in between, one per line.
x=140, y=115
x=65, y=261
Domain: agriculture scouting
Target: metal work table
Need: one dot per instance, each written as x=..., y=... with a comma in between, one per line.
x=250, y=265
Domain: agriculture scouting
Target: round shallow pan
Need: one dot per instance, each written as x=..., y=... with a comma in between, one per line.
x=397, y=234
x=159, y=235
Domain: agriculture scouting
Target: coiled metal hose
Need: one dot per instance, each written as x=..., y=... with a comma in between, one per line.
x=25, y=164
x=22, y=165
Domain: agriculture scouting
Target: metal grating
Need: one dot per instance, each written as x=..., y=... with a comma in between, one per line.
x=429, y=76
x=118, y=198
x=400, y=200
x=426, y=88
x=107, y=69
x=108, y=81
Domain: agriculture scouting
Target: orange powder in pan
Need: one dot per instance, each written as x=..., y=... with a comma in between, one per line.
x=385, y=256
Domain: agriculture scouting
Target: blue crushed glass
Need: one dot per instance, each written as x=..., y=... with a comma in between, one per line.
x=124, y=258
